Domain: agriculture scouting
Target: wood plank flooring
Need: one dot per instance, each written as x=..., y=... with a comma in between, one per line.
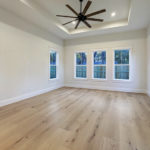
x=77, y=119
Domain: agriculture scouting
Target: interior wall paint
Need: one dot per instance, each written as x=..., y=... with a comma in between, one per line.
x=135, y=40
x=148, y=60
x=24, y=64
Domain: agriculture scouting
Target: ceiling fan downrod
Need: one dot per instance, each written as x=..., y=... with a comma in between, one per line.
x=81, y=1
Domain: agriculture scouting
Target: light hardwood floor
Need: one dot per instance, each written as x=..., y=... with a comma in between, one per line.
x=77, y=119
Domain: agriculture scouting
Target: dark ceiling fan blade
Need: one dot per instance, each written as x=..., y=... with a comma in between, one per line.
x=96, y=13
x=69, y=22
x=66, y=16
x=72, y=9
x=77, y=24
x=94, y=19
x=87, y=7
x=87, y=24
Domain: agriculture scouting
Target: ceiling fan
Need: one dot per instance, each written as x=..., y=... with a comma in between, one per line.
x=82, y=16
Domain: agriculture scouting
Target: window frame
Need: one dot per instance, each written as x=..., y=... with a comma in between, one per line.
x=100, y=79
x=75, y=65
x=122, y=80
x=57, y=65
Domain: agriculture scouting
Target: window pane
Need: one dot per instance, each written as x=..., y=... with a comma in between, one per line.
x=125, y=57
x=81, y=71
x=122, y=72
x=121, y=56
x=81, y=59
x=78, y=59
x=99, y=58
x=100, y=72
x=53, y=58
x=52, y=72
x=117, y=57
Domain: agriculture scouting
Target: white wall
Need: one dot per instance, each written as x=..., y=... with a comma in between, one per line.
x=148, y=61
x=135, y=39
x=24, y=64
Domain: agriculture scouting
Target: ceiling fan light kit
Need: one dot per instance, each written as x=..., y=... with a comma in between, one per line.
x=82, y=16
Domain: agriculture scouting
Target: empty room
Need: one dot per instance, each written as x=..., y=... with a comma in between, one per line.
x=74, y=74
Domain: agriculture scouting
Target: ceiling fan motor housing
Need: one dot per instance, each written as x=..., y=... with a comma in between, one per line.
x=81, y=17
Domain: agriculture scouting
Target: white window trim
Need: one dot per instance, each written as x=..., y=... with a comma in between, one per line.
x=122, y=80
x=57, y=65
x=98, y=79
x=79, y=78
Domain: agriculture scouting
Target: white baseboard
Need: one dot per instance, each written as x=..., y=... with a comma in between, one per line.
x=106, y=88
x=32, y=94
x=28, y=95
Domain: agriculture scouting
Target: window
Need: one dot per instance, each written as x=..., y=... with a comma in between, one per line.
x=53, y=65
x=81, y=62
x=99, y=68
x=122, y=64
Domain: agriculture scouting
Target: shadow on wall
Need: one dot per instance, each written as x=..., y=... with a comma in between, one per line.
x=17, y=22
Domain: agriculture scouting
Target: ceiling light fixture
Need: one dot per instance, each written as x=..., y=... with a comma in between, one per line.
x=74, y=22
x=113, y=14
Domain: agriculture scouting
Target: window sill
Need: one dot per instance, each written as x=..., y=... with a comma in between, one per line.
x=121, y=81
x=99, y=80
x=80, y=78
x=53, y=79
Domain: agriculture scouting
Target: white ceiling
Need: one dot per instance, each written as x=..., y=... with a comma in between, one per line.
x=130, y=15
